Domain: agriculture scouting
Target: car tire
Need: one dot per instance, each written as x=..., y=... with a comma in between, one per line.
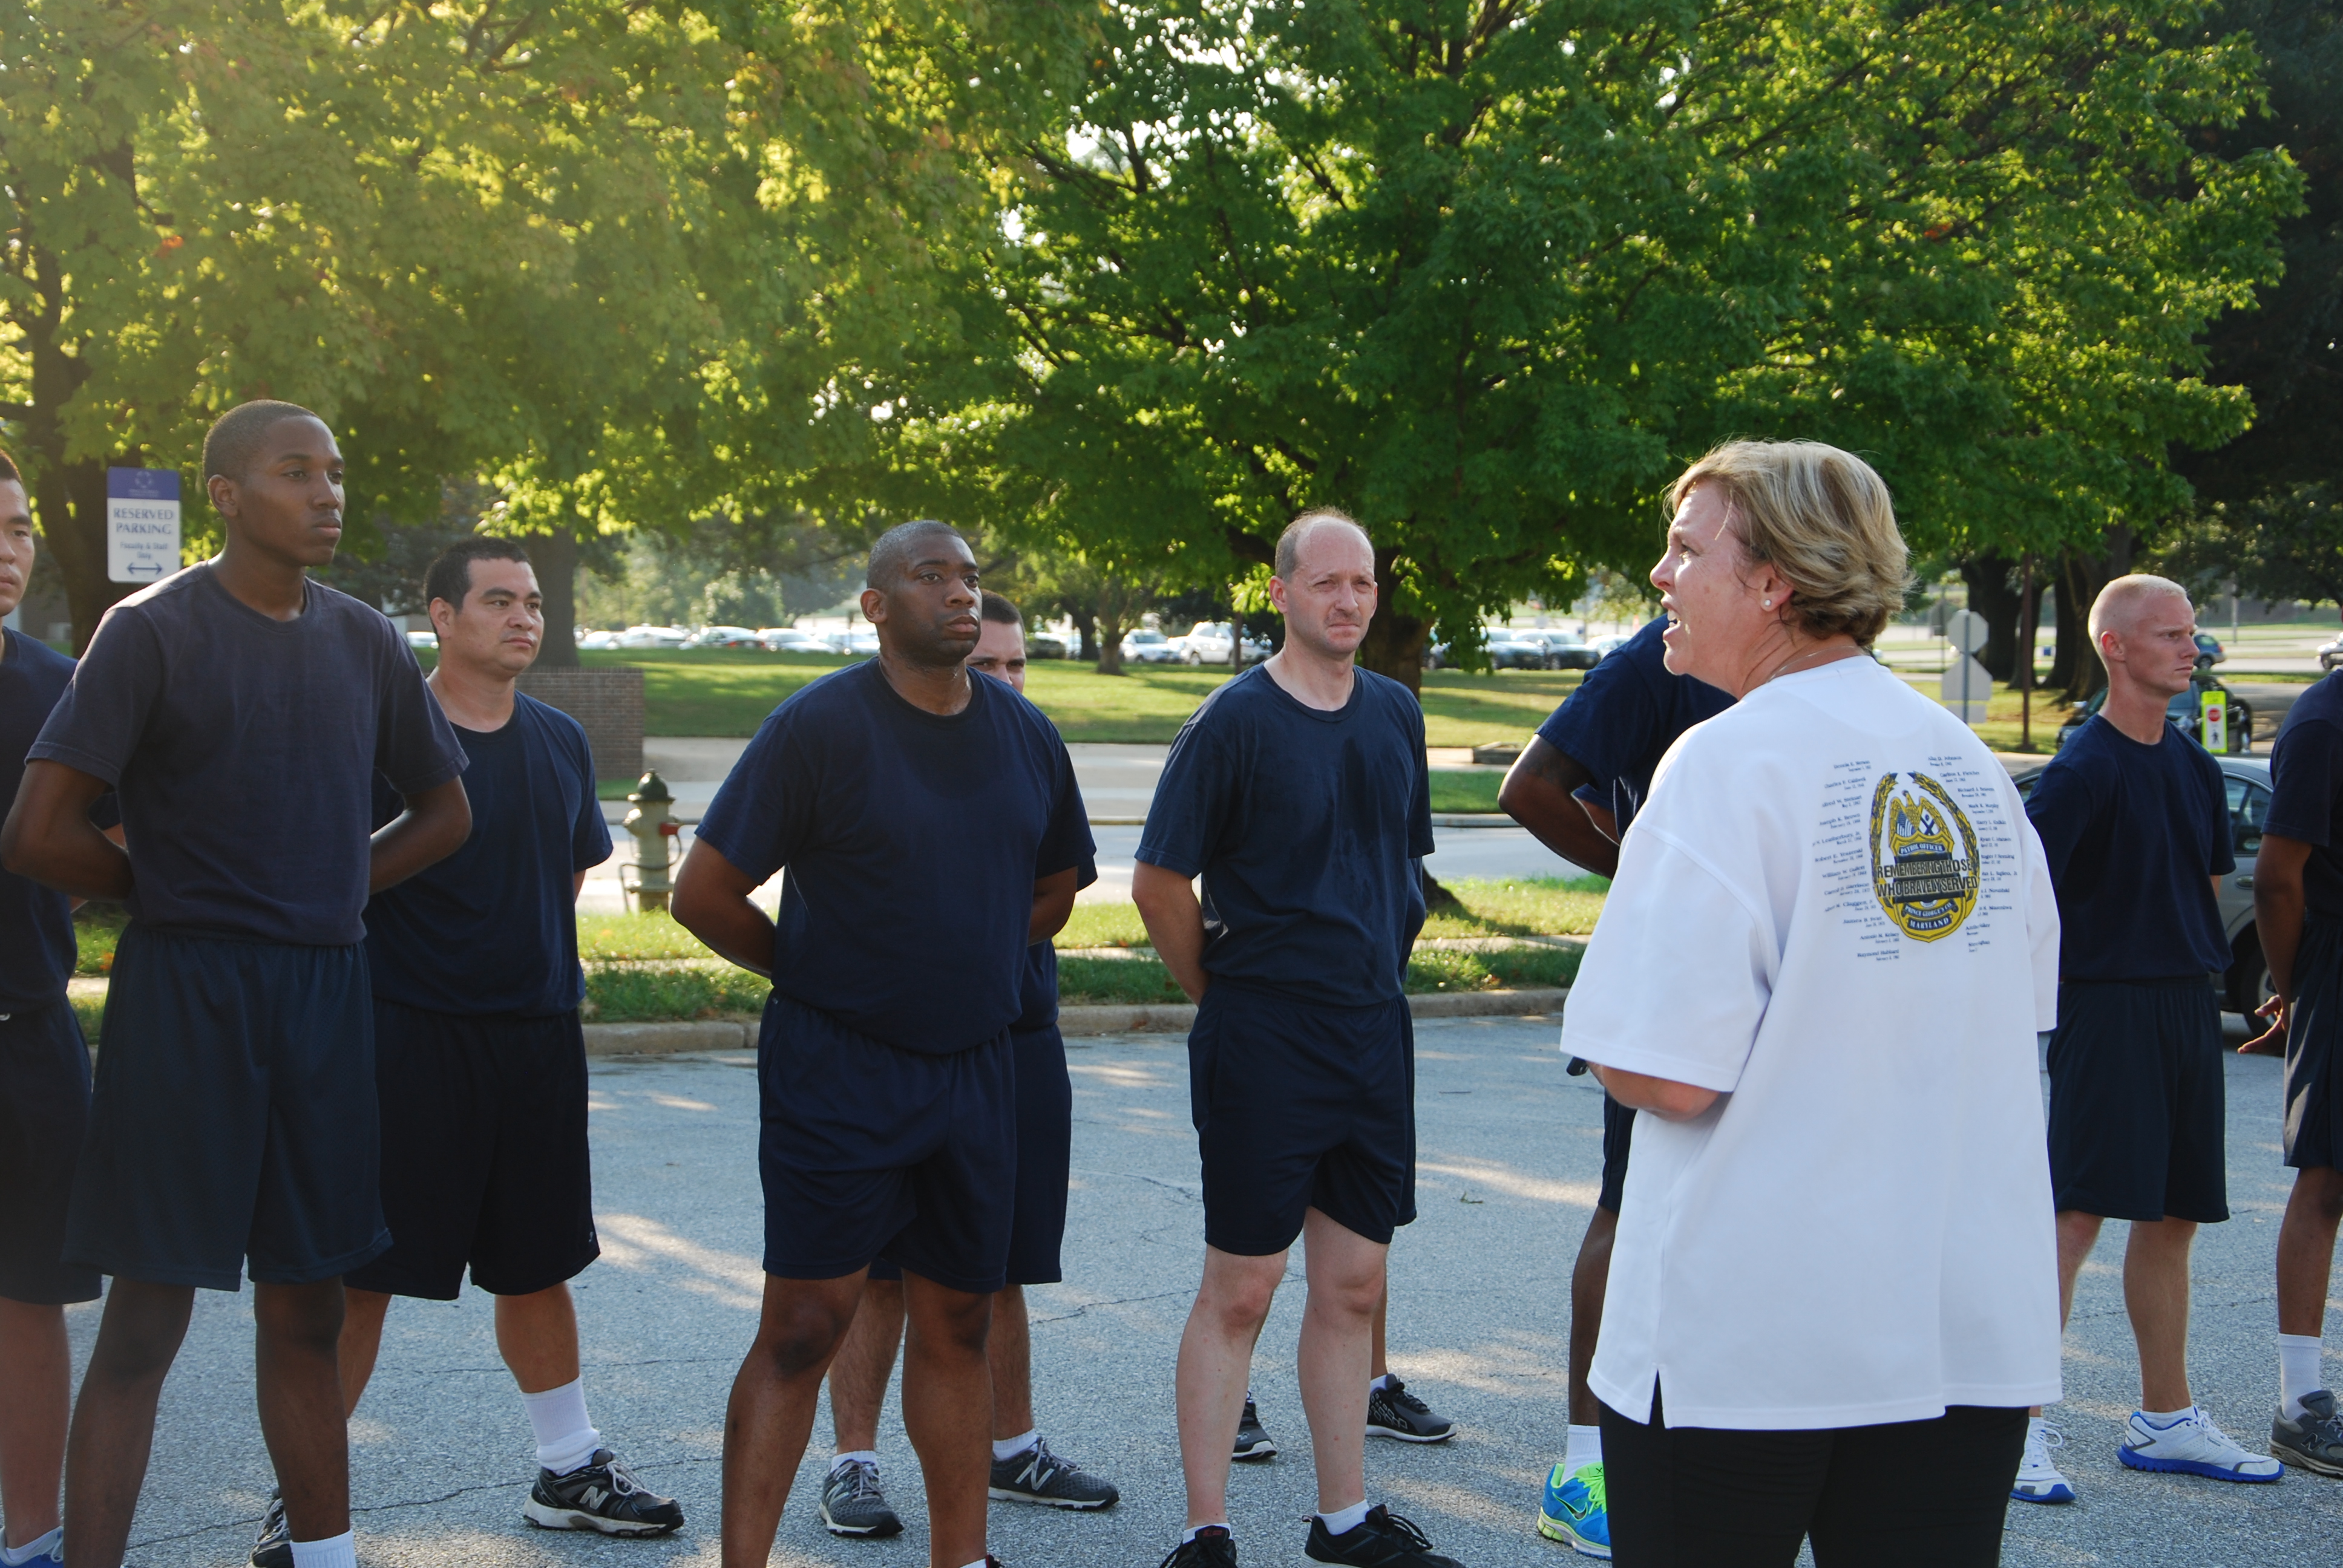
x=2248, y=984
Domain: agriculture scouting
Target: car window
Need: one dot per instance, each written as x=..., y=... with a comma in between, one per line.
x=2248, y=809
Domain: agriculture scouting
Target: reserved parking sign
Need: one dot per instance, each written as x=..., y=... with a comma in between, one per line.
x=142, y=524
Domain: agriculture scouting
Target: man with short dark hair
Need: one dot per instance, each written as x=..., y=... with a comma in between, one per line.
x=240, y=713
x=479, y=1061
x=2136, y=829
x=1576, y=787
x=932, y=832
x=44, y=1103
x=1299, y=794
x=1024, y=1470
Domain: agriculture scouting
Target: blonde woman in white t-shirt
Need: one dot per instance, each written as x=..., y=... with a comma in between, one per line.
x=1832, y=941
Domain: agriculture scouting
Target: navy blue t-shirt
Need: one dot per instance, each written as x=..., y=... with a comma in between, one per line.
x=1624, y=716
x=912, y=840
x=36, y=940
x=2307, y=792
x=492, y=928
x=2134, y=835
x=1308, y=828
x=243, y=751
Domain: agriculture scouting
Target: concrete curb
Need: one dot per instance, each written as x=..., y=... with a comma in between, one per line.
x=669, y=1039
x=1529, y=1002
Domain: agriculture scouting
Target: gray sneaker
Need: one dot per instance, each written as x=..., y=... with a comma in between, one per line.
x=852, y=1504
x=2314, y=1442
x=1037, y=1475
x=275, y=1547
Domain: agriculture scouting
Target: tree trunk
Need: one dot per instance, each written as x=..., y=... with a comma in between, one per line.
x=1114, y=604
x=1085, y=624
x=555, y=557
x=1394, y=642
x=72, y=501
x=1993, y=595
x=2082, y=575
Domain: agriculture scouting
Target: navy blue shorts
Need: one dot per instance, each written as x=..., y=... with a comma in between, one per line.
x=484, y=1153
x=1302, y=1106
x=867, y=1150
x=234, y=1116
x=1045, y=1159
x=2313, y=1078
x=2137, y=1101
x=1618, y=1138
x=44, y=1110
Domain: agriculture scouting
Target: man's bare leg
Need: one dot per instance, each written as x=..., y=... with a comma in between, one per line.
x=36, y=1400
x=363, y=1313
x=865, y=1360
x=2305, y=1251
x=1345, y=1273
x=297, y=1371
x=1010, y=1352
x=2156, y=1294
x=537, y=1335
x=113, y=1421
x=771, y=1413
x=2077, y=1234
x=1376, y=1365
x=1215, y=1357
x=948, y=1414
x=1590, y=1279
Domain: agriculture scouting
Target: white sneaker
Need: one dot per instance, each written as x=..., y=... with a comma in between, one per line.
x=2193, y=1445
x=2039, y=1480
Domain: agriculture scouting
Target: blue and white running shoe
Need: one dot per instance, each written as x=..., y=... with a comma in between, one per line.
x=2039, y=1480
x=1576, y=1511
x=2193, y=1445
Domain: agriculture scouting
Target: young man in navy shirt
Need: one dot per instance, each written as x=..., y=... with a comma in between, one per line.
x=1577, y=789
x=2298, y=915
x=1024, y=1470
x=44, y=1103
x=479, y=1064
x=240, y=713
x=932, y=832
x=2136, y=827
x=1299, y=793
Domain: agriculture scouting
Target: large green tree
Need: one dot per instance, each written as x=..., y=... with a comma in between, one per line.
x=1486, y=273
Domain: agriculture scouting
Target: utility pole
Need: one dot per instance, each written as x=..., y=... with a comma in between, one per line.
x=2026, y=658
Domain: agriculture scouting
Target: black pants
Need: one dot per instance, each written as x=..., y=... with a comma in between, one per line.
x=1914, y=1495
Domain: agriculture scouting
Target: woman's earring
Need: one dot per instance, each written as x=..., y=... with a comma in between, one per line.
x=1768, y=604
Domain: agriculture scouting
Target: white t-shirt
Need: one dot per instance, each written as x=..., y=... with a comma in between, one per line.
x=1832, y=911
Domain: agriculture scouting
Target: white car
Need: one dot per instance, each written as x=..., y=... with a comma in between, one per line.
x=423, y=639
x=790, y=639
x=860, y=643
x=724, y=637
x=1148, y=647
x=597, y=640
x=1214, y=642
x=654, y=637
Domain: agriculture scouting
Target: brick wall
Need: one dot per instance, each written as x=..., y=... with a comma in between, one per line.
x=608, y=703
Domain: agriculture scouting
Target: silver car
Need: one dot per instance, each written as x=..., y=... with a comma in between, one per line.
x=2247, y=780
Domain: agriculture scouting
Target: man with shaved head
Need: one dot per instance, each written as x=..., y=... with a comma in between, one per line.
x=2136, y=829
x=1299, y=794
x=932, y=832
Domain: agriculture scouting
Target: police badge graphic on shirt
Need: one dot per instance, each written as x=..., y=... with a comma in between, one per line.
x=1924, y=856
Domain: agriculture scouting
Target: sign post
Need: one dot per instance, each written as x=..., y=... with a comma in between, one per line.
x=1965, y=688
x=142, y=524
x=2213, y=719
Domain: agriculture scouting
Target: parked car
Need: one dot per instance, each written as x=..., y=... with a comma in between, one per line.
x=423, y=639
x=1604, y=647
x=1514, y=650
x=1563, y=651
x=2246, y=781
x=1046, y=645
x=790, y=639
x=1209, y=642
x=2330, y=654
x=654, y=637
x=1148, y=646
x=597, y=640
x=2182, y=710
x=857, y=642
x=724, y=637
x=2209, y=650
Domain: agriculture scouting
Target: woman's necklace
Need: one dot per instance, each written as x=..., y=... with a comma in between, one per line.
x=1838, y=650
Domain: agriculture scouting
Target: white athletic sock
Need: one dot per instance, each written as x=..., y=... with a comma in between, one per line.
x=983, y=1561
x=1190, y=1533
x=2298, y=1371
x=1010, y=1447
x=1585, y=1447
x=868, y=1456
x=1378, y=1382
x=1342, y=1521
x=341, y=1552
x=17, y=1556
x=2160, y=1419
x=566, y=1439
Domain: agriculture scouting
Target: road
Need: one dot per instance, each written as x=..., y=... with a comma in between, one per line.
x=1510, y=1157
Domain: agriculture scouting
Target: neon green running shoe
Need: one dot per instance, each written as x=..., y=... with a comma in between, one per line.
x=1577, y=1512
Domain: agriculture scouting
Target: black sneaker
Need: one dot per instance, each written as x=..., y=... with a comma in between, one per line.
x=1213, y=1547
x=1037, y=1475
x=1382, y=1540
x=852, y=1504
x=600, y=1494
x=1252, y=1442
x=275, y=1547
x=2314, y=1442
x=1393, y=1412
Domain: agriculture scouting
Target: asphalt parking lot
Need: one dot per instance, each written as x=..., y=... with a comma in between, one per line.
x=1509, y=1163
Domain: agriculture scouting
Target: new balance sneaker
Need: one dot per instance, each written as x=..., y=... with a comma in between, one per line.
x=1393, y=1412
x=1576, y=1511
x=2039, y=1480
x=852, y=1504
x=1037, y=1475
x=1252, y=1442
x=600, y=1495
x=274, y=1549
x=2315, y=1442
x=2193, y=1445
x=1382, y=1540
x=1213, y=1547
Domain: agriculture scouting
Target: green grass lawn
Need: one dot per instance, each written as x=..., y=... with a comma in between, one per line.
x=1465, y=793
